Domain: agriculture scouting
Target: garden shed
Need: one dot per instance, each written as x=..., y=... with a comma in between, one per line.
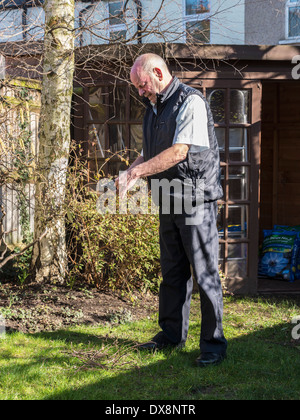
x=254, y=92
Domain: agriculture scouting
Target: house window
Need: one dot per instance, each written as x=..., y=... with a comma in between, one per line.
x=101, y=22
x=21, y=20
x=197, y=21
x=293, y=19
x=117, y=21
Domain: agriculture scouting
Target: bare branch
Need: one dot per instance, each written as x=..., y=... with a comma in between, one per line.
x=18, y=254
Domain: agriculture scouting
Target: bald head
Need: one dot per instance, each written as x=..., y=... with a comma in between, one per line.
x=150, y=75
x=148, y=62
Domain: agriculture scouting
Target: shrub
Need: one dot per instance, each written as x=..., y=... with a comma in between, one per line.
x=112, y=251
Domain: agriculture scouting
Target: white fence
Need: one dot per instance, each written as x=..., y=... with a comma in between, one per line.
x=11, y=222
x=9, y=135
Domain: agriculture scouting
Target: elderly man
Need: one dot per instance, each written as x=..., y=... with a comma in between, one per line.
x=179, y=143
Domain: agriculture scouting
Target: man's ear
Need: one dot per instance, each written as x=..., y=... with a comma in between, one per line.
x=158, y=73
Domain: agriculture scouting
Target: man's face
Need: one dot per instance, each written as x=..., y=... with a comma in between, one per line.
x=146, y=84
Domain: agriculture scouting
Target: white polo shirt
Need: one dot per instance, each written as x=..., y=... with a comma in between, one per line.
x=191, y=123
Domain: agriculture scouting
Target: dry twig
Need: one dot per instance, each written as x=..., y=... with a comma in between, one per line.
x=109, y=356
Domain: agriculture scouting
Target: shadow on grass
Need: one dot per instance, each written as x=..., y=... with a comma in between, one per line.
x=261, y=364
x=264, y=364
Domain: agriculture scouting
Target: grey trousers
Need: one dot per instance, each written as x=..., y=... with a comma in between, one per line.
x=188, y=250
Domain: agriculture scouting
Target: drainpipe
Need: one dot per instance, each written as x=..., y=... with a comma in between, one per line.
x=139, y=9
x=24, y=21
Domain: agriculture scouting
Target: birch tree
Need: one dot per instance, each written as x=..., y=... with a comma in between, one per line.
x=49, y=255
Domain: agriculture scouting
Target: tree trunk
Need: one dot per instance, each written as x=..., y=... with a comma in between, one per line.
x=49, y=259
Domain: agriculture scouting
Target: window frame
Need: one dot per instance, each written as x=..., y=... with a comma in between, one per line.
x=118, y=27
x=108, y=29
x=23, y=8
x=289, y=5
x=195, y=18
x=104, y=155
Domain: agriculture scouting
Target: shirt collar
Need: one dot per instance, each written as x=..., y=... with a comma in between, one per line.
x=168, y=92
x=165, y=95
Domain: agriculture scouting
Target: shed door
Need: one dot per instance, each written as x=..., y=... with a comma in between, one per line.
x=236, y=107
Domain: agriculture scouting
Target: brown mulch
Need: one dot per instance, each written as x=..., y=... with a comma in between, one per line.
x=47, y=307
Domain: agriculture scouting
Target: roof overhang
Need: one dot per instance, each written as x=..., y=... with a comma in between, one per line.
x=233, y=52
x=168, y=51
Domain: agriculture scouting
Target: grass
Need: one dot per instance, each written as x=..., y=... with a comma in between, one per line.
x=102, y=363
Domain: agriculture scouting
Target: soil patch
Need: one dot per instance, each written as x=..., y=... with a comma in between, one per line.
x=45, y=307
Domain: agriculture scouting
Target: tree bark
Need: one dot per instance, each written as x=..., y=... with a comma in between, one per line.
x=49, y=259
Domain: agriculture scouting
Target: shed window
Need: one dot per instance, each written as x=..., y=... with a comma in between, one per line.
x=114, y=125
x=232, y=117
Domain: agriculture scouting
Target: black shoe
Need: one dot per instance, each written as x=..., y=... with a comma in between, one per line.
x=210, y=359
x=159, y=343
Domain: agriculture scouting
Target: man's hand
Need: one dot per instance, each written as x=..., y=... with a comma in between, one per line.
x=126, y=181
x=160, y=163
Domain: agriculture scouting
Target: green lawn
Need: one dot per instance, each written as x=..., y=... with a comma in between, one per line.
x=101, y=362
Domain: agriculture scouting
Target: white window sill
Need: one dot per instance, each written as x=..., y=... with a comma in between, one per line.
x=290, y=41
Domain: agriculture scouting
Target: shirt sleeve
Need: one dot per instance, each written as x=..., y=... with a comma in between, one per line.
x=191, y=123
